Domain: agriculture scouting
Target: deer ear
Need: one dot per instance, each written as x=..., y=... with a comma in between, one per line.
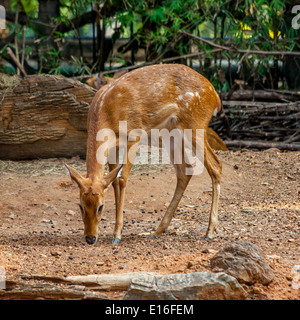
x=75, y=176
x=112, y=175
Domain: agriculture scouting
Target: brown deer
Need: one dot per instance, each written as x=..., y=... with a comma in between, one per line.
x=153, y=97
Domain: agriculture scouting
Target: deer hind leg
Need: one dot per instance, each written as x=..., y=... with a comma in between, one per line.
x=214, y=168
x=119, y=187
x=182, y=181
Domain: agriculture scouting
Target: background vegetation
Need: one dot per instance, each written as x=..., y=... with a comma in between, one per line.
x=39, y=31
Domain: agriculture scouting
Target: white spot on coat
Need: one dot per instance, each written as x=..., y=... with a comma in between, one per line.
x=215, y=111
x=189, y=94
x=171, y=106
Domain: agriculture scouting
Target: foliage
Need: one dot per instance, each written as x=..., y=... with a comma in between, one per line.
x=154, y=25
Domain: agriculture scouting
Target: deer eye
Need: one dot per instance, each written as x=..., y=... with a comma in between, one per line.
x=99, y=208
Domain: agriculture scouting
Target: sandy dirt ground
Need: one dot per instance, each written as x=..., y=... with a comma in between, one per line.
x=41, y=231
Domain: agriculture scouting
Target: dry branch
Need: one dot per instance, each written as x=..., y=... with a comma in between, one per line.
x=275, y=124
x=260, y=95
x=190, y=55
x=16, y=61
x=233, y=49
x=262, y=145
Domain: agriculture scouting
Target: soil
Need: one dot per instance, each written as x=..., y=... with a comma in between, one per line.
x=41, y=231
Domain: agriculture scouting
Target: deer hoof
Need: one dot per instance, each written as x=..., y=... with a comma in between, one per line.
x=207, y=238
x=116, y=241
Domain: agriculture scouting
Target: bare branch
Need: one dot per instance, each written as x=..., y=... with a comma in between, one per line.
x=232, y=49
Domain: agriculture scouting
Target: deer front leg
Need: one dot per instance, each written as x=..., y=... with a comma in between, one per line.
x=120, y=193
x=116, y=186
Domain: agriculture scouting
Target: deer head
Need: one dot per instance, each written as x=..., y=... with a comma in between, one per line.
x=92, y=200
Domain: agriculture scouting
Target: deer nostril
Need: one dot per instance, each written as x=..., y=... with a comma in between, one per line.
x=90, y=240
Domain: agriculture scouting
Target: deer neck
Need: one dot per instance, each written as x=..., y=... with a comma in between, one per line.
x=95, y=170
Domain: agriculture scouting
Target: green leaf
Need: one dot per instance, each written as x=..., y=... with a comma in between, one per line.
x=157, y=15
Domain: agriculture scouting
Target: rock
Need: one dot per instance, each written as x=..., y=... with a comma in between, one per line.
x=49, y=207
x=45, y=221
x=12, y=216
x=190, y=286
x=244, y=261
x=257, y=290
x=71, y=212
x=273, y=257
x=55, y=253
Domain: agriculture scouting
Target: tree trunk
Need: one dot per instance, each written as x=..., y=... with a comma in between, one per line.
x=43, y=116
x=48, y=10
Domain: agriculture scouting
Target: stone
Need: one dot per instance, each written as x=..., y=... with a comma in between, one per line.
x=12, y=216
x=190, y=286
x=55, y=253
x=244, y=261
x=71, y=212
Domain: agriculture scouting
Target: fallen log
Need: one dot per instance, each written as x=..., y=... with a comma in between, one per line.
x=262, y=145
x=45, y=291
x=261, y=95
x=271, y=118
x=139, y=285
x=43, y=116
x=260, y=107
x=107, y=282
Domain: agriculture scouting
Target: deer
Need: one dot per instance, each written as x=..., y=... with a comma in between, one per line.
x=157, y=96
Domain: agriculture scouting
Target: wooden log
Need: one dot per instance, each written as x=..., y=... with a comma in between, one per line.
x=293, y=116
x=106, y=281
x=119, y=281
x=260, y=95
x=259, y=107
x=45, y=291
x=43, y=116
x=262, y=145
